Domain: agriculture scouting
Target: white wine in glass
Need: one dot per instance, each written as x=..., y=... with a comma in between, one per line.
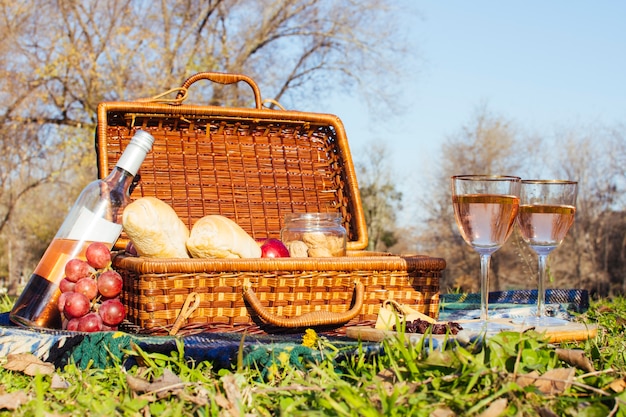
x=485, y=208
x=547, y=209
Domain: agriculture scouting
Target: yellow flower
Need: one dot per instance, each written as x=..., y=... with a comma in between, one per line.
x=272, y=372
x=310, y=338
x=283, y=358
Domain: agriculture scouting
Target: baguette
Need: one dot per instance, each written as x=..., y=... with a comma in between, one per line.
x=216, y=236
x=155, y=229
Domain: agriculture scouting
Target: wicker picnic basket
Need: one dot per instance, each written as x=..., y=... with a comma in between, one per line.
x=253, y=165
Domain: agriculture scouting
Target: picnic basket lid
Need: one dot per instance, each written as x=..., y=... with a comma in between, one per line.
x=253, y=165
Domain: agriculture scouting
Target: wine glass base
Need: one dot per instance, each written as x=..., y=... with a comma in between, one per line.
x=543, y=321
x=482, y=326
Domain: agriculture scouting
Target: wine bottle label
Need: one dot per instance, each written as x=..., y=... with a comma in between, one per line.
x=89, y=227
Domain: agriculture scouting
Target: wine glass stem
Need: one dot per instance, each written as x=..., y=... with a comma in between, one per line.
x=485, y=260
x=541, y=292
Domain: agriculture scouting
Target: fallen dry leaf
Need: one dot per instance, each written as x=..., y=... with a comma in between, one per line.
x=527, y=379
x=555, y=381
x=443, y=412
x=167, y=384
x=387, y=380
x=544, y=412
x=618, y=385
x=233, y=394
x=221, y=401
x=496, y=408
x=552, y=382
x=13, y=400
x=137, y=384
x=387, y=375
x=28, y=363
x=577, y=358
x=58, y=382
x=169, y=381
x=199, y=397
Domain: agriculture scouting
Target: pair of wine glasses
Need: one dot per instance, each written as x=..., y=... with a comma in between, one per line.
x=487, y=206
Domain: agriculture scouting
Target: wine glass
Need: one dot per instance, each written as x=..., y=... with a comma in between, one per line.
x=547, y=209
x=485, y=208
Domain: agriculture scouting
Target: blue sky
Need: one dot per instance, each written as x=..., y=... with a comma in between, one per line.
x=540, y=64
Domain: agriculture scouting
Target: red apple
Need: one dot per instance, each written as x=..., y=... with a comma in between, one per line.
x=274, y=248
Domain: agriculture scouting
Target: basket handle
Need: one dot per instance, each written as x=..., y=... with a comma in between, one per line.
x=224, y=78
x=313, y=318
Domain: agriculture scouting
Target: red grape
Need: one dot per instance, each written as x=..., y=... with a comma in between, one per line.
x=76, y=305
x=112, y=312
x=76, y=269
x=110, y=284
x=90, y=280
x=98, y=255
x=61, y=301
x=90, y=323
x=72, y=324
x=87, y=287
x=66, y=285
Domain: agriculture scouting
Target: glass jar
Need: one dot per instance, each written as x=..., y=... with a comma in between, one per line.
x=314, y=235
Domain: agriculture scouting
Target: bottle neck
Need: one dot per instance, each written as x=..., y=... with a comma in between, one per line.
x=118, y=182
x=128, y=164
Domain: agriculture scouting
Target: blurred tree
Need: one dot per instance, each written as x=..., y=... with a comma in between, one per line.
x=60, y=58
x=488, y=144
x=380, y=197
x=593, y=155
x=591, y=257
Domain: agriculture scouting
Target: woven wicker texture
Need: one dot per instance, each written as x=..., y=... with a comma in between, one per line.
x=253, y=166
x=157, y=289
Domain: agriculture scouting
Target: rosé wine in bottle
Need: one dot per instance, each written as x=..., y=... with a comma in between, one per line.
x=96, y=216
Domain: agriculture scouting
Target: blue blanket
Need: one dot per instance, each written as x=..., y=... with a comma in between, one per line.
x=104, y=349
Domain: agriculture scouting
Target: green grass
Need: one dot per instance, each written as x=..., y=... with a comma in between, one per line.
x=406, y=380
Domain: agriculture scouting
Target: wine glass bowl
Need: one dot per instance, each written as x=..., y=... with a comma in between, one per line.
x=485, y=209
x=546, y=213
x=485, y=220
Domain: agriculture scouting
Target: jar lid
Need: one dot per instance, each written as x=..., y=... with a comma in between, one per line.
x=313, y=217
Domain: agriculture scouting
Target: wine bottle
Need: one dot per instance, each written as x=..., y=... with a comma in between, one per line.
x=96, y=216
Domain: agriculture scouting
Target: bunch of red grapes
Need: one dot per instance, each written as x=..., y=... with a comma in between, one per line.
x=89, y=300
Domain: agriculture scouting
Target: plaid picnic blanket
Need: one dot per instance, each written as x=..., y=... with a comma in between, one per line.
x=104, y=349
x=560, y=303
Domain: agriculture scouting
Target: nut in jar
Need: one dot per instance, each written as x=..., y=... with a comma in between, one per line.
x=314, y=235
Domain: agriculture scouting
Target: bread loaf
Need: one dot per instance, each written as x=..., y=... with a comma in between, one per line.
x=216, y=236
x=155, y=229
